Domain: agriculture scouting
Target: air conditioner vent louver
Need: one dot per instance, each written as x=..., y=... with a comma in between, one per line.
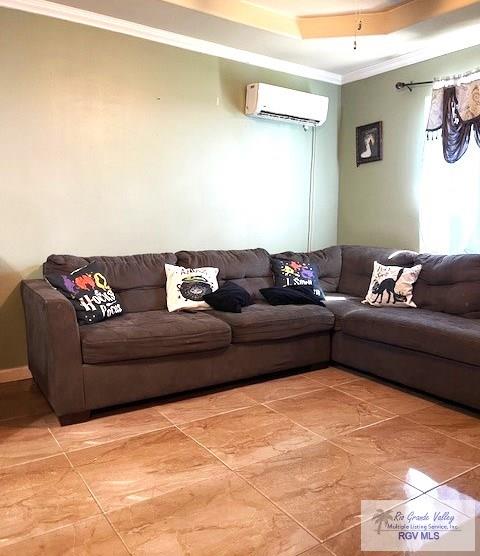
x=276, y=116
x=278, y=103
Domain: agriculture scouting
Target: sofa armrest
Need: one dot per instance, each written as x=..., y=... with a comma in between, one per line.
x=54, y=349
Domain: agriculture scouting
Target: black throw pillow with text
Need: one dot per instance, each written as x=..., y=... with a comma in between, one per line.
x=89, y=292
x=287, y=272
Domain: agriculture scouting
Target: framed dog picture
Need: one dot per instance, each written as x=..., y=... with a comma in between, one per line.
x=369, y=143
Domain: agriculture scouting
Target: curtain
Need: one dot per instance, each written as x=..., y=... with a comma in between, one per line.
x=449, y=202
x=455, y=115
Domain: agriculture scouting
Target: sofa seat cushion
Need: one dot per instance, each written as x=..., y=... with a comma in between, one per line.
x=260, y=322
x=448, y=336
x=341, y=305
x=152, y=334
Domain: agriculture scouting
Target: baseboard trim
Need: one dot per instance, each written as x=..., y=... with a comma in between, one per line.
x=18, y=373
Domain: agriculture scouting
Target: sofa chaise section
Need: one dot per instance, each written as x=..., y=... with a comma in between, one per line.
x=449, y=336
x=434, y=348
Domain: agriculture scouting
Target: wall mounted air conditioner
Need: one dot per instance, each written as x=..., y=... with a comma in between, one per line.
x=278, y=103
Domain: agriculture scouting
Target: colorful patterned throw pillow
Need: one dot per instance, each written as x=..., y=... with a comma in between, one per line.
x=293, y=273
x=89, y=291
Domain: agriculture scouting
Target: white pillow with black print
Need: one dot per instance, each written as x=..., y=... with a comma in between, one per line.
x=187, y=286
x=392, y=286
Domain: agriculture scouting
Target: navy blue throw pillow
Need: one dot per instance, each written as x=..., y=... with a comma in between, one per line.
x=229, y=298
x=293, y=295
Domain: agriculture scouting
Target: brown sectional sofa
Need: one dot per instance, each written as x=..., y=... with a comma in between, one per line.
x=148, y=352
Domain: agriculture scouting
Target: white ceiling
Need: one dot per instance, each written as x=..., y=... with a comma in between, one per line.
x=328, y=59
x=324, y=7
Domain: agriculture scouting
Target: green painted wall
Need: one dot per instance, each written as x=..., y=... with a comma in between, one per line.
x=92, y=163
x=378, y=201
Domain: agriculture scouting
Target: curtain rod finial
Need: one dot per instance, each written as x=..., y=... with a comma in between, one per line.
x=400, y=85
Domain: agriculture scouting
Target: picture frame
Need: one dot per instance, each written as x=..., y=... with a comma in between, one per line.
x=369, y=143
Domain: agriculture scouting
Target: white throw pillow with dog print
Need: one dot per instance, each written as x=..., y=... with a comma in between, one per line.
x=392, y=286
x=187, y=286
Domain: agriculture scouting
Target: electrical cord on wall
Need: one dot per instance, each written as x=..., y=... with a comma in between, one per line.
x=311, y=192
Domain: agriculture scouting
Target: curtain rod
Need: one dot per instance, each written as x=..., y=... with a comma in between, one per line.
x=400, y=85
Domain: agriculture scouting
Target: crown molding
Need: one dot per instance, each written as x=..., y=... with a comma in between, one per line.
x=446, y=44
x=455, y=41
x=76, y=15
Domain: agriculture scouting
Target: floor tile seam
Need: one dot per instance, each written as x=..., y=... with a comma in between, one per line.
x=318, y=380
x=346, y=381
x=327, y=550
x=53, y=530
x=318, y=387
x=26, y=416
x=278, y=507
x=362, y=427
x=284, y=511
x=432, y=428
x=119, y=535
x=445, y=483
x=428, y=495
x=397, y=387
x=238, y=475
x=387, y=418
x=65, y=451
x=305, y=375
x=56, y=441
x=369, y=402
x=400, y=479
x=322, y=541
x=61, y=453
x=332, y=441
x=367, y=519
x=321, y=437
x=238, y=471
x=118, y=507
x=97, y=502
x=401, y=417
x=206, y=448
x=120, y=439
x=211, y=416
x=84, y=481
x=35, y=460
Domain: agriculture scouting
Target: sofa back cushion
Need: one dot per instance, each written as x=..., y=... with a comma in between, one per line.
x=449, y=283
x=357, y=266
x=328, y=263
x=139, y=280
x=250, y=268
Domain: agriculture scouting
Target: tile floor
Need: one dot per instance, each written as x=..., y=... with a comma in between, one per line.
x=274, y=468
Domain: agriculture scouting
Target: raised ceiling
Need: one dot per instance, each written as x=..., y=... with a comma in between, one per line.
x=387, y=18
x=298, y=8
x=393, y=34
